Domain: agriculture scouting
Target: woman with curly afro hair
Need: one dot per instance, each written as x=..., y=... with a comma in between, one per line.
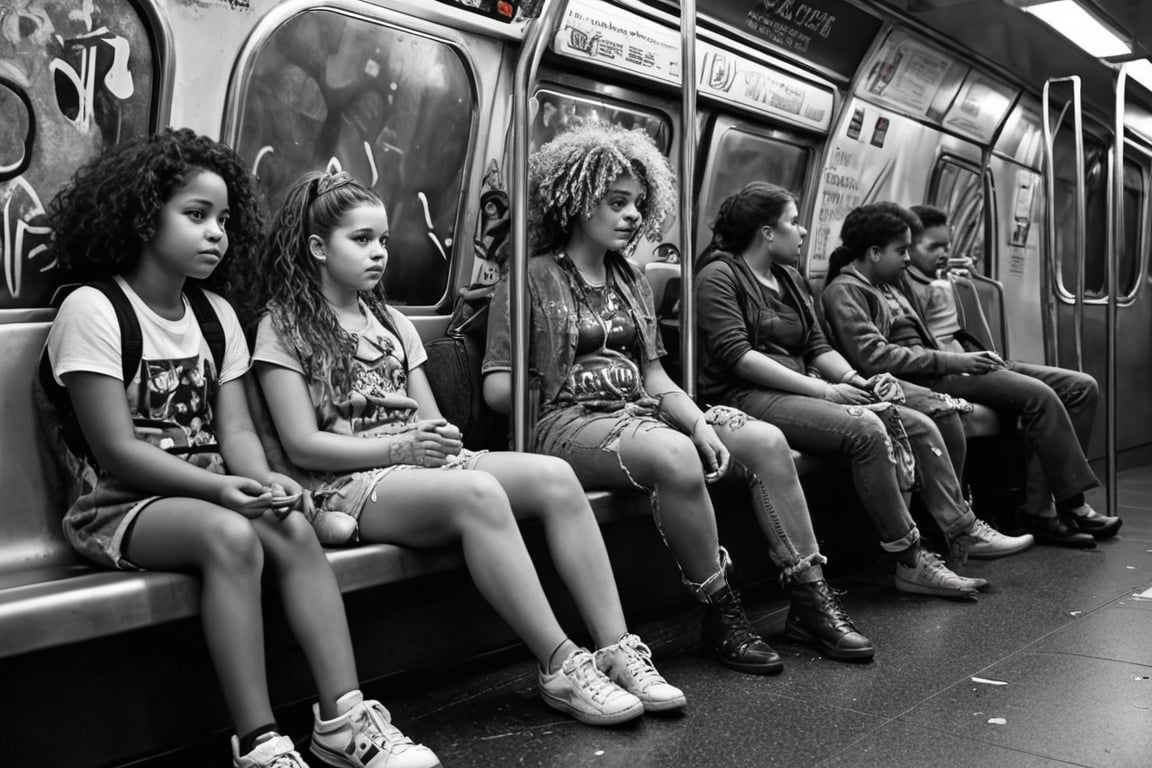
x=170, y=473
x=606, y=404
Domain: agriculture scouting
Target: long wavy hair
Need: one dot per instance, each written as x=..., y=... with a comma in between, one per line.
x=741, y=216
x=569, y=176
x=111, y=207
x=876, y=224
x=283, y=281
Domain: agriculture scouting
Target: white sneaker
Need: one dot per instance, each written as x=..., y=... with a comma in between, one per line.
x=583, y=691
x=982, y=541
x=275, y=752
x=628, y=663
x=363, y=736
x=931, y=577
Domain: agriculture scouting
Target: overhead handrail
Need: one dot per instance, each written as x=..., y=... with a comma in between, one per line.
x=687, y=204
x=1115, y=243
x=1050, y=274
x=537, y=34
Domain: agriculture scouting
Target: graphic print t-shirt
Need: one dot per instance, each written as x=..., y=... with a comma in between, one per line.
x=377, y=401
x=171, y=394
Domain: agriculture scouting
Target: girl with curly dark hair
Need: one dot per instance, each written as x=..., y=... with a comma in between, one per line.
x=343, y=376
x=608, y=407
x=172, y=476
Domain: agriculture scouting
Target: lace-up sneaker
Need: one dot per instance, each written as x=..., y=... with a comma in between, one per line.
x=931, y=577
x=583, y=691
x=363, y=736
x=983, y=542
x=275, y=752
x=628, y=663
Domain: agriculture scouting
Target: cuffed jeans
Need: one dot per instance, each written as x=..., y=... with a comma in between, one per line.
x=823, y=428
x=1056, y=408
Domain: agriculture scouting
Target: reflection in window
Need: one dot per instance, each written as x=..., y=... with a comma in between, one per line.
x=73, y=81
x=958, y=191
x=1127, y=273
x=391, y=107
x=556, y=112
x=1097, y=159
x=740, y=157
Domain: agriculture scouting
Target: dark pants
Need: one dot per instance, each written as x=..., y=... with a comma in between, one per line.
x=1056, y=408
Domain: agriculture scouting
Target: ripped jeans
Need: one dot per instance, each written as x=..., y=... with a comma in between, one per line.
x=595, y=443
x=830, y=429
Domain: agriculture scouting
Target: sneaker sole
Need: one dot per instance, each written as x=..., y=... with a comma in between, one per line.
x=993, y=554
x=338, y=760
x=801, y=635
x=592, y=718
x=916, y=589
x=670, y=705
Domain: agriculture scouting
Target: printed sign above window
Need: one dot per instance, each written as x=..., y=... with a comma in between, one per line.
x=832, y=34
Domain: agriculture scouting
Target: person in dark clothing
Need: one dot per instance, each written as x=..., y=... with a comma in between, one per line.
x=760, y=338
x=878, y=328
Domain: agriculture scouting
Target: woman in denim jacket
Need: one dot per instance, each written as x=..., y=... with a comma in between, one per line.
x=760, y=338
x=606, y=404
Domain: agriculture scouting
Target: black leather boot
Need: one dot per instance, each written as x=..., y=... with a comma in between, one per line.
x=727, y=633
x=816, y=617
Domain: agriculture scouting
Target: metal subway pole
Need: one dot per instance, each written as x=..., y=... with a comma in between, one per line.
x=1116, y=242
x=539, y=32
x=687, y=204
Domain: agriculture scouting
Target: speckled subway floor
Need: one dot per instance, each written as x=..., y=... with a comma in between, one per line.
x=1060, y=632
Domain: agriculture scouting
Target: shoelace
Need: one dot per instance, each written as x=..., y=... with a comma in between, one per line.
x=831, y=605
x=581, y=668
x=640, y=665
x=374, y=721
x=740, y=629
x=937, y=572
x=287, y=760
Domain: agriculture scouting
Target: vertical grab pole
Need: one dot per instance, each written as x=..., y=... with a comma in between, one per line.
x=1115, y=243
x=1081, y=225
x=687, y=204
x=1050, y=282
x=1048, y=275
x=536, y=38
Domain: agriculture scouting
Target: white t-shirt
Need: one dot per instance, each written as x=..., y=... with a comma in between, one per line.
x=376, y=401
x=171, y=395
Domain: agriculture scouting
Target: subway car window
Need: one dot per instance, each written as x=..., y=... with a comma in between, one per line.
x=1128, y=270
x=74, y=78
x=741, y=156
x=1095, y=214
x=556, y=111
x=394, y=108
x=958, y=190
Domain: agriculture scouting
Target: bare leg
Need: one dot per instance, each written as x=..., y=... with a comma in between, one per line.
x=178, y=534
x=431, y=507
x=547, y=488
x=313, y=605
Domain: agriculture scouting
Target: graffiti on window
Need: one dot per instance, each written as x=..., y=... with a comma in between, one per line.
x=392, y=108
x=75, y=77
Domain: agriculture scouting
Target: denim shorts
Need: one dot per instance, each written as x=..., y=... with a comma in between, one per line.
x=348, y=494
x=97, y=524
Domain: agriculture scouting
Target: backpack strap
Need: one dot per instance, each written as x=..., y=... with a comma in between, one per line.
x=210, y=325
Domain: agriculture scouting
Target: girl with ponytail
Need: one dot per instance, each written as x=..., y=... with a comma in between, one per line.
x=343, y=375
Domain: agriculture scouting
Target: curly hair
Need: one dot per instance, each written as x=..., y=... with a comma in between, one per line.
x=112, y=205
x=569, y=176
x=876, y=224
x=283, y=281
